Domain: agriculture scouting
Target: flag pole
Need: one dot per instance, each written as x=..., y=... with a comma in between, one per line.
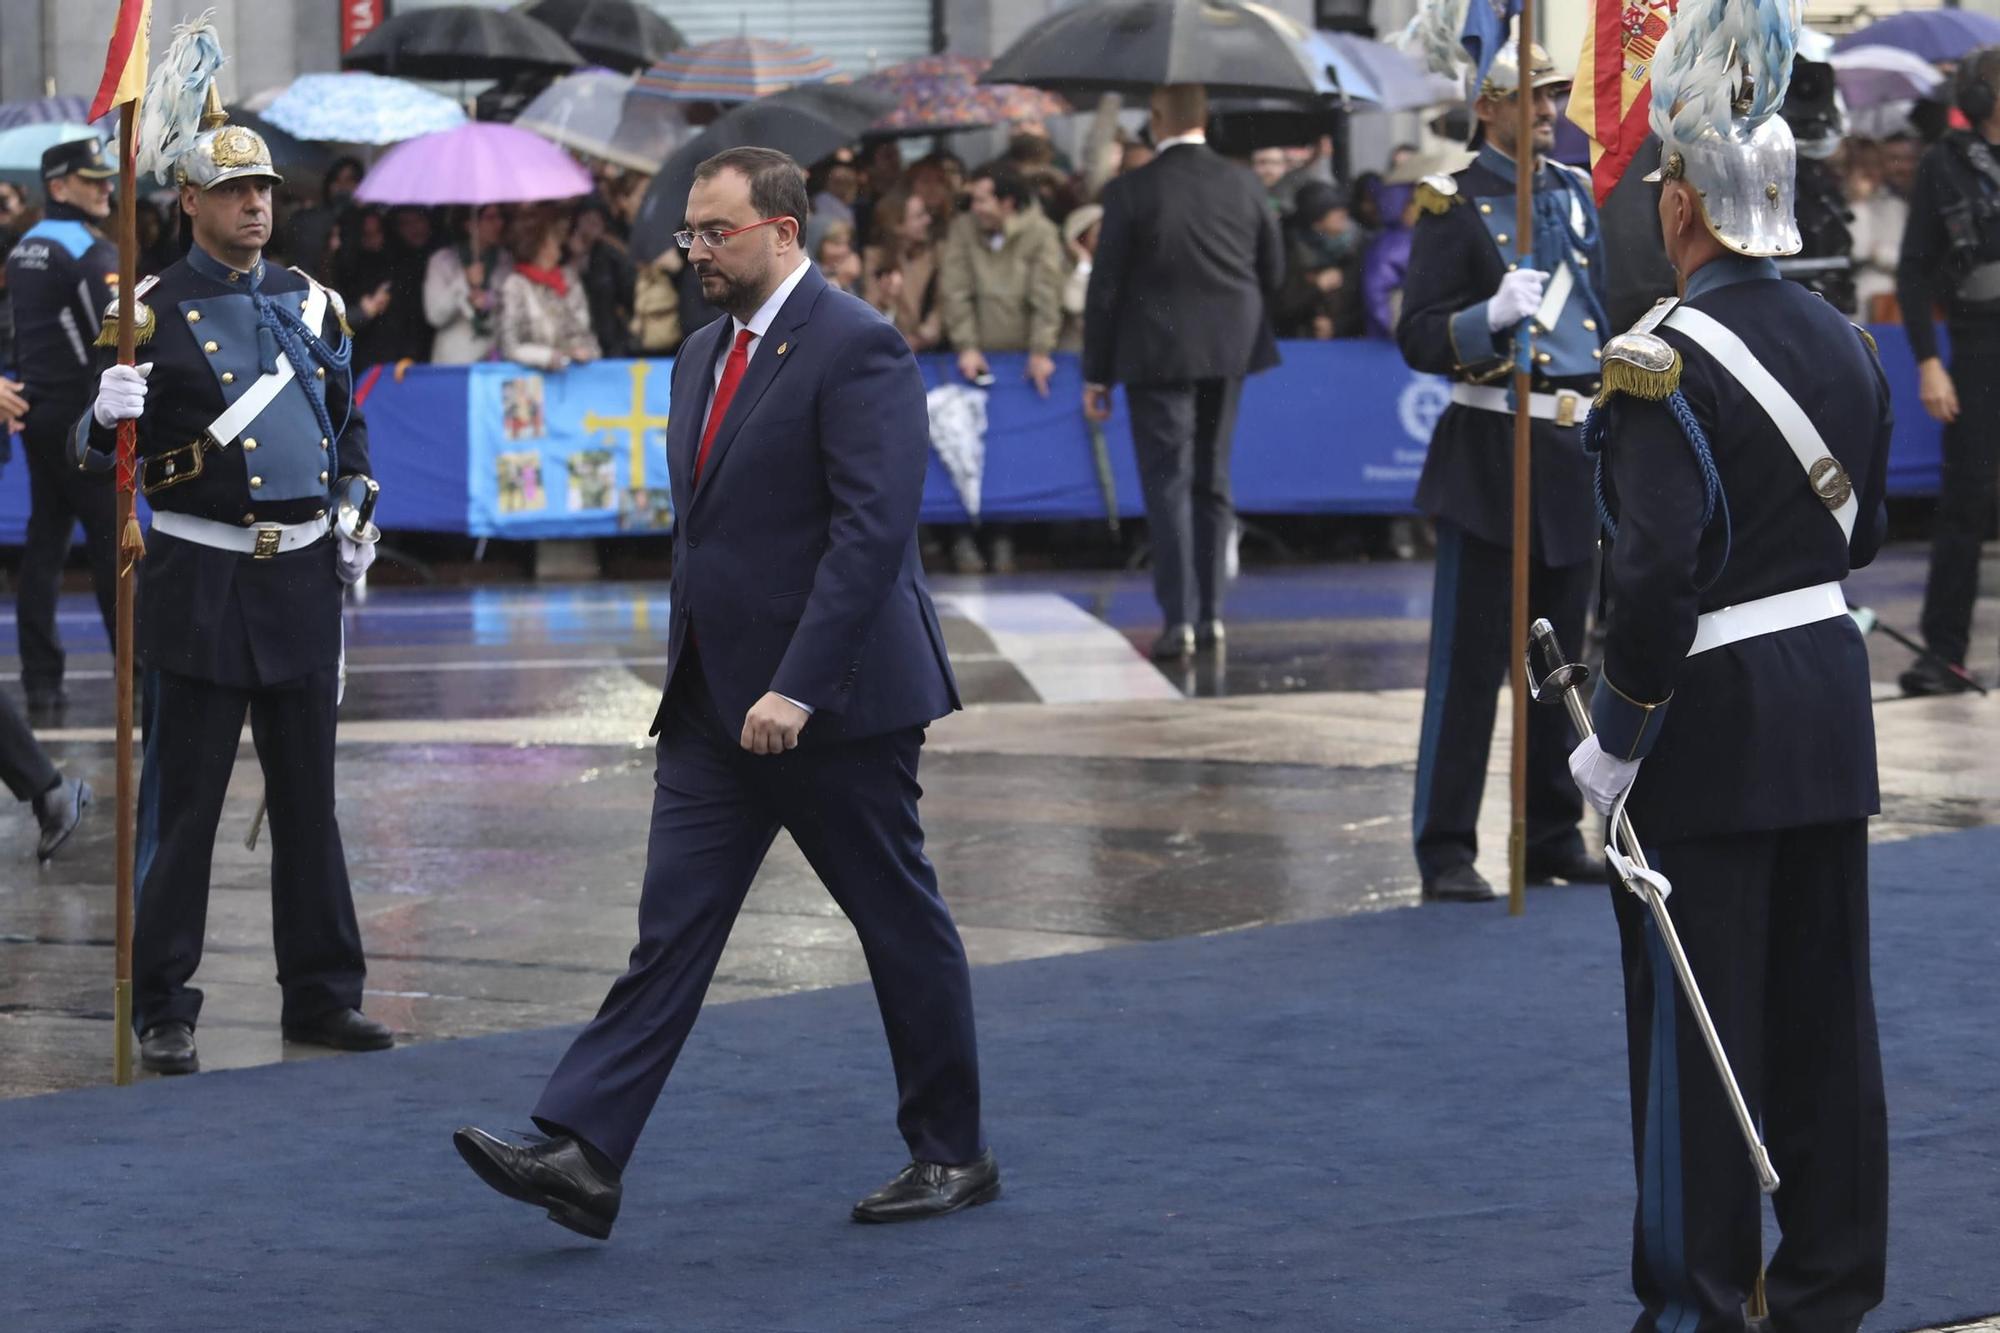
x=1524, y=238
x=130, y=548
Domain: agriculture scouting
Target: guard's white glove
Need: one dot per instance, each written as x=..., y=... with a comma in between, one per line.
x=1601, y=778
x=354, y=559
x=121, y=394
x=1520, y=296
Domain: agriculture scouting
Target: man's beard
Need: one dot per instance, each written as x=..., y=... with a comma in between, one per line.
x=737, y=297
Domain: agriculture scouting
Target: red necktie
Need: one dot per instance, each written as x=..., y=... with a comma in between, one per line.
x=732, y=375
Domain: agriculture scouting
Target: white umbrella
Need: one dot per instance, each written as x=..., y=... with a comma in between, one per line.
x=1875, y=75
x=360, y=108
x=596, y=113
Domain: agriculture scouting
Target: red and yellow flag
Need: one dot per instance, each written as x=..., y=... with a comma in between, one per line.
x=1614, y=83
x=125, y=64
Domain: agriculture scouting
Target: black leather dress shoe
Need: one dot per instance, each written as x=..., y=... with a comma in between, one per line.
x=932, y=1189
x=168, y=1048
x=1174, y=643
x=552, y=1174
x=1930, y=676
x=59, y=810
x=1210, y=634
x=343, y=1030
x=1460, y=884
x=1579, y=867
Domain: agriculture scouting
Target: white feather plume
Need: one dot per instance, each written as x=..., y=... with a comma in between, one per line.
x=1716, y=50
x=170, y=115
x=1435, y=34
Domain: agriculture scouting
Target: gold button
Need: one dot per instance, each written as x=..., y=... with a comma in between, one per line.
x=194, y=316
x=256, y=483
x=1583, y=261
x=321, y=372
x=211, y=347
x=1486, y=208
x=229, y=377
x=322, y=478
x=248, y=519
x=1590, y=326
x=324, y=442
x=249, y=443
x=1595, y=385
x=1512, y=267
x=1543, y=358
x=1596, y=355
x=318, y=516
x=1502, y=238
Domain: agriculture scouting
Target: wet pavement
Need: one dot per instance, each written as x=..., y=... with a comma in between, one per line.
x=495, y=778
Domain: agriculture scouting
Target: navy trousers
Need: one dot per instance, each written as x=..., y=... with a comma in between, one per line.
x=852, y=810
x=1776, y=929
x=193, y=728
x=1467, y=669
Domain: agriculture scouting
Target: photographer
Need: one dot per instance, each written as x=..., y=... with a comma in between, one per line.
x=1951, y=257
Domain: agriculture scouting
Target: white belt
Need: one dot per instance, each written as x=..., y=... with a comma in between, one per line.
x=1564, y=408
x=1768, y=615
x=262, y=540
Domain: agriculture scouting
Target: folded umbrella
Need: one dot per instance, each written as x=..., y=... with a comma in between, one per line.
x=459, y=42
x=734, y=69
x=1871, y=76
x=617, y=34
x=1934, y=34
x=941, y=93
x=808, y=123
x=477, y=163
x=357, y=107
x=596, y=113
x=1134, y=46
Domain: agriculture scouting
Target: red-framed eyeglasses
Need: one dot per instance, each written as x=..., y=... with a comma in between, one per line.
x=714, y=239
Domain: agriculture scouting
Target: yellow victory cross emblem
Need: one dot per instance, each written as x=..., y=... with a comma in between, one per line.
x=636, y=425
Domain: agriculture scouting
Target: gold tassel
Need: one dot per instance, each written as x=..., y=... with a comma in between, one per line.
x=1433, y=200
x=131, y=546
x=1637, y=382
x=107, y=336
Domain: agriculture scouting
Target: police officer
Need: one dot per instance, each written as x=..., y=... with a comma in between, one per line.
x=246, y=432
x=1464, y=301
x=1744, y=439
x=1951, y=258
x=61, y=275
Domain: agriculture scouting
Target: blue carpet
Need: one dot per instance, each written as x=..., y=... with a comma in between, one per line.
x=1408, y=1121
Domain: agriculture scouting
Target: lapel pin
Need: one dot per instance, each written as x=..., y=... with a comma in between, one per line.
x=783, y=348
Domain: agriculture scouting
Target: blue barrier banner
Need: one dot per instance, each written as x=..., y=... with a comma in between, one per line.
x=582, y=453
x=497, y=450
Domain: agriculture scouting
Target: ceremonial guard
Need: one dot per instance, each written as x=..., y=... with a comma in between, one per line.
x=1744, y=435
x=1464, y=301
x=250, y=450
x=60, y=276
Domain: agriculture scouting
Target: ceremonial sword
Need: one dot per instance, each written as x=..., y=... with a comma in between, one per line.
x=353, y=519
x=1567, y=677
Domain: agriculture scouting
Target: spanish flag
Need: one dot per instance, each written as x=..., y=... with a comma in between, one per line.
x=125, y=64
x=1614, y=83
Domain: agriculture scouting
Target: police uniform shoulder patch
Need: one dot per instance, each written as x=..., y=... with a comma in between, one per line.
x=1438, y=194
x=1640, y=363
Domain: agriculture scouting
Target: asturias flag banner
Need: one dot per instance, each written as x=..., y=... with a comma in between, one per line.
x=125, y=63
x=1614, y=83
x=1487, y=23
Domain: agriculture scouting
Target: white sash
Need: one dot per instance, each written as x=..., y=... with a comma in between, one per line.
x=1800, y=434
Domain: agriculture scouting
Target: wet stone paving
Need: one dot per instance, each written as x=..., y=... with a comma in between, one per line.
x=495, y=778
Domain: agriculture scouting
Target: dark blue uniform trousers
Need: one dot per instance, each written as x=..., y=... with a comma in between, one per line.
x=1775, y=926
x=1468, y=665
x=852, y=810
x=193, y=728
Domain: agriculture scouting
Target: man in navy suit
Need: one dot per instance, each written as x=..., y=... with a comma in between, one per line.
x=805, y=662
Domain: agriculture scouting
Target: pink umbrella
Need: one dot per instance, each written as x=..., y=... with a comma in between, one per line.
x=477, y=163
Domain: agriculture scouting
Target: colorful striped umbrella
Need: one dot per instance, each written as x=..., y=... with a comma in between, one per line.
x=734, y=69
x=942, y=93
x=360, y=108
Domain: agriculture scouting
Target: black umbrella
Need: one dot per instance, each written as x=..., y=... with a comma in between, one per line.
x=458, y=42
x=1134, y=46
x=617, y=34
x=808, y=122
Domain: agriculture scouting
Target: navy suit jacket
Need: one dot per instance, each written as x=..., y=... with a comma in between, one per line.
x=795, y=558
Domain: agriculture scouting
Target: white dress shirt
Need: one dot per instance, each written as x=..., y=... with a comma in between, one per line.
x=1192, y=136
x=759, y=324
